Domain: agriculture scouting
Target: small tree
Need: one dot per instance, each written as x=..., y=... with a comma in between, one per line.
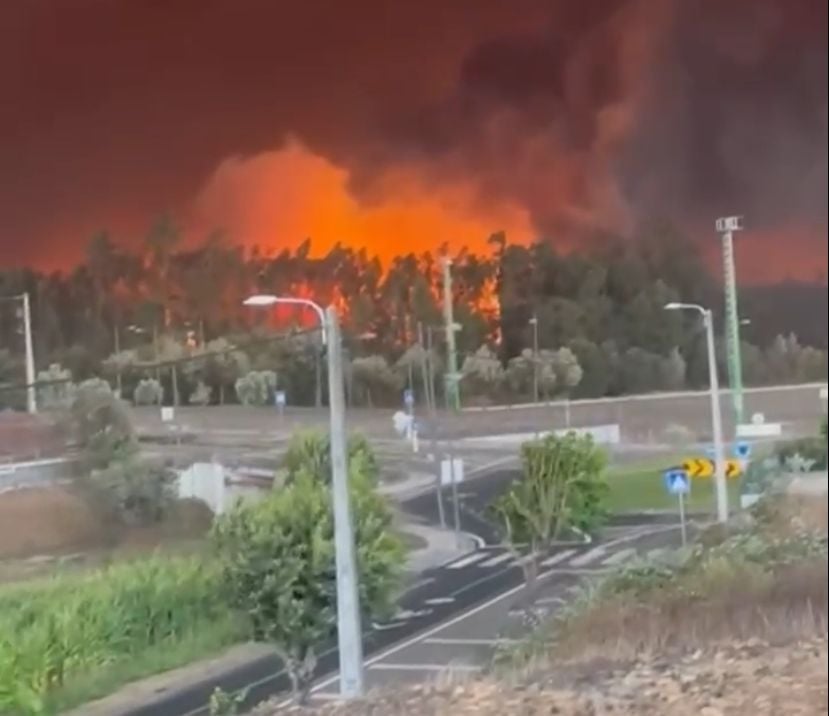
x=256, y=388
x=562, y=488
x=373, y=377
x=57, y=389
x=483, y=371
x=278, y=562
x=148, y=392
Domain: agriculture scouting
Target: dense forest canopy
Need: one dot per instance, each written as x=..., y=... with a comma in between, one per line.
x=601, y=309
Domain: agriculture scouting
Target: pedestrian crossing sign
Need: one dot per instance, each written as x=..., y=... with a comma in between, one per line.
x=677, y=482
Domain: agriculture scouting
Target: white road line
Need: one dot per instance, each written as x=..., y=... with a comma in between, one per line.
x=588, y=556
x=448, y=668
x=497, y=559
x=556, y=558
x=435, y=601
x=468, y=642
x=466, y=561
x=437, y=628
x=551, y=601
x=620, y=556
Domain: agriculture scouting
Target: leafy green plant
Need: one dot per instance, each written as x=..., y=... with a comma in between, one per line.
x=277, y=558
x=311, y=452
x=225, y=704
x=54, y=631
x=256, y=388
x=148, y=392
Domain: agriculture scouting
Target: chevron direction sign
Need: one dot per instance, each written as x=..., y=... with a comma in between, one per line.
x=703, y=467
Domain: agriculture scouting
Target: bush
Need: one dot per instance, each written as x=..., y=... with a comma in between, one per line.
x=311, y=453
x=810, y=449
x=134, y=490
x=256, y=388
x=54, y=630
x=100, y=424
x=148, y=392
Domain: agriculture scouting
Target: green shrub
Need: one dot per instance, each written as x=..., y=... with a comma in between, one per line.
x=256, y=388
x=148, y=392
x=311, y=452
x=54, y=630
x=812, y=449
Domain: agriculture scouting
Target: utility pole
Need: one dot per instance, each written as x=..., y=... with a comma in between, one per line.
x=452, y=394
x=534, y=324
x=349, y=630
x=727, y=226
x=31, y=396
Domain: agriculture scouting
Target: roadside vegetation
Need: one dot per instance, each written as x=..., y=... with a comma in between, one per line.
x=265, y=572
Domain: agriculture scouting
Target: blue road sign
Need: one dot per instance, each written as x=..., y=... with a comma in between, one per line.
x=408, y=397
x=677, y=482
x=742, y=450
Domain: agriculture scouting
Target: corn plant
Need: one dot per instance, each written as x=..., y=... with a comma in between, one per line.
x=54, y=629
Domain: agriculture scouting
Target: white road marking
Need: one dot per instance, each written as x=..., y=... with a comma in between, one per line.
x=620, y=556
x=426, y=667
x=552, y=601
x=556, y=558
x=468, y=642
x=435, y=601
x=588, y=556
x=466, y=561
x=497, y=559
x=437, y=628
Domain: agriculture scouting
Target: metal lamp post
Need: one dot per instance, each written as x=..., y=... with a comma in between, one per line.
x=349, y=629
x=31, y=395
x=534, y=324
x=716, y=415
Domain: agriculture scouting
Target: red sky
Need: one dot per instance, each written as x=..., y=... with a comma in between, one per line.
x=404, y=125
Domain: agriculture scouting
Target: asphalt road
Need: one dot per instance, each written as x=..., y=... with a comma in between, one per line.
x=442, y=596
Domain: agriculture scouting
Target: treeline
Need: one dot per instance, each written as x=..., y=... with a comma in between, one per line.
x=601, y=327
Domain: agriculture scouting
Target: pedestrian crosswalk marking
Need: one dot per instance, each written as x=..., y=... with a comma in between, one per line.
x=588, y=556
x=620, y=556
x=556, y=558
x=497, y=559
x=466, y=561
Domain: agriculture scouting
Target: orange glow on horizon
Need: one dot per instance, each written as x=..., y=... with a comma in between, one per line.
x=277, y=199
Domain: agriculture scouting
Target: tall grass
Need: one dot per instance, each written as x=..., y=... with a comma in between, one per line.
x=72, y=625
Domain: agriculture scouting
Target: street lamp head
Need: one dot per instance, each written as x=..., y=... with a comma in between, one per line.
x=673, y=306
x=261, y=299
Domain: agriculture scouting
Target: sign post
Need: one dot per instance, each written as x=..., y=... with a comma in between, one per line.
x=677, y=483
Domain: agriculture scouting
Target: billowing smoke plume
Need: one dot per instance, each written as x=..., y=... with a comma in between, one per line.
x=394, y=124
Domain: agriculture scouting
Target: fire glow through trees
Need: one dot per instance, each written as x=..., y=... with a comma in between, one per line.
x=403, y=126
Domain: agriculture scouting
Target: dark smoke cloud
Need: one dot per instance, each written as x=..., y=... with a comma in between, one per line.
x=590, y=114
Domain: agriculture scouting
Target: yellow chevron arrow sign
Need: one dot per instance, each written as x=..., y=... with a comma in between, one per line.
x=703, y=467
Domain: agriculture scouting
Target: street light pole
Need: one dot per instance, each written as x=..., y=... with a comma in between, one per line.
x=349, y=629
x=716, y=414
x=534, y=324
x=31, y=396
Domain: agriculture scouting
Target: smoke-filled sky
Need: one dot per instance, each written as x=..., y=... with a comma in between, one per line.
x=403, y=125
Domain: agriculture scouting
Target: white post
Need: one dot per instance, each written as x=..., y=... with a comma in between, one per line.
x=716, y=420
x=682, y=519
x=349, y=631
x=31, y=397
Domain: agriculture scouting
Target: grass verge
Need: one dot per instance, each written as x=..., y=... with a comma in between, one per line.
x=641, y=487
